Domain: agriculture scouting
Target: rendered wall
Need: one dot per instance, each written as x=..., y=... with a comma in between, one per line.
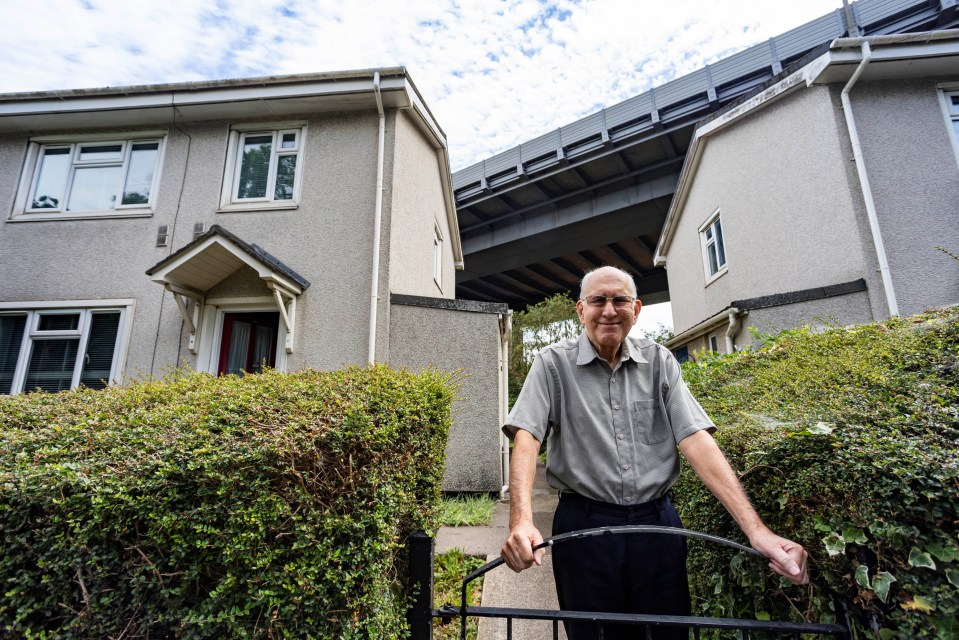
x=417, y=208
x=781, y=179
x=327, y=239
x=468, y=341
x=915, y=181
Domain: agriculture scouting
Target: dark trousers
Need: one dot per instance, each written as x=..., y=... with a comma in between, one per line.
x=624, y=573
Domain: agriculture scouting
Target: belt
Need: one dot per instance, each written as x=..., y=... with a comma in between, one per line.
x=614, y=509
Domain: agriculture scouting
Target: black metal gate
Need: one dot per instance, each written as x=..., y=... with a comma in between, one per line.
x=422, y=613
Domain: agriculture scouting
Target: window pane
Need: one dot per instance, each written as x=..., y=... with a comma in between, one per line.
x=54, y=168
x=239, y=345
x=285, y=172
x=262, y=347
x=51, y=364
x=143, y=159
x=100, y=346
x=11, y=337
x=101, y=153
x=289, y=141
x=711, y=253
x=58, y=322
x=255, y=167
x=719, y=244
x=94, y=188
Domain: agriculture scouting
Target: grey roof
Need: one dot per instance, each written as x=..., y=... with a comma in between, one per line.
x=255, y=251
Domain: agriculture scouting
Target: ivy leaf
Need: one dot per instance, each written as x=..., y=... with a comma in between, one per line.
x=763, y=615
x=918, y=603
x=881, y=584
x=821, y=429
x=952, y=575
x=919, y=559
x=862, y=575
x=854, y=534
x=835, y=543
x=821, y=524
x=945, y=554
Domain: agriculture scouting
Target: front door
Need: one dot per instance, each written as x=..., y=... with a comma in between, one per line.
x=249, y=342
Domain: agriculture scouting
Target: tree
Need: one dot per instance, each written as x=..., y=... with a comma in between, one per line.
x=538, y=326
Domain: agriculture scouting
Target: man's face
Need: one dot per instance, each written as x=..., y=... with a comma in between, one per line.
x=607, y=326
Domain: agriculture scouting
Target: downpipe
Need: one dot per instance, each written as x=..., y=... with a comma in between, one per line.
x=377, y=217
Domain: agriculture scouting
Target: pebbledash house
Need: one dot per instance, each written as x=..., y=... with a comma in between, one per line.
x=293, y=221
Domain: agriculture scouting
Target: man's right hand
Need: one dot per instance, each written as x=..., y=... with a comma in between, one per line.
x=518, y=548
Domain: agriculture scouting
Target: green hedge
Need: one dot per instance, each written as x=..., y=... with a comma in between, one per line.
x=848, y=442
x=274, y=505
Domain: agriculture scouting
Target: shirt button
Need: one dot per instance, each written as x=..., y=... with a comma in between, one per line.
x=616, y=407
x=629, y=498
x=625, y=467
x=613, y=380
x=619, y=437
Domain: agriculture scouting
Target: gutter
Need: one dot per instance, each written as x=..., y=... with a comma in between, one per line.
x=729, y=313
x=377, y=216
x=864, y=178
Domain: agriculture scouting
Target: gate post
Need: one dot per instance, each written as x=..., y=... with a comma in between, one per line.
x=420, y=614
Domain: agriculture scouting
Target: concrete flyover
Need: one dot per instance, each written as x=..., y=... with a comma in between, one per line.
x=596, y=191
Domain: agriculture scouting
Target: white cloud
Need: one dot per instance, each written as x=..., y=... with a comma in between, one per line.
x=495, y=73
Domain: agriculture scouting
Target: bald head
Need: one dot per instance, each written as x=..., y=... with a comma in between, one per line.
x=610, y=271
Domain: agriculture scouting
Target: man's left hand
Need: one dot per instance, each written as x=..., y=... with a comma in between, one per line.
x=787, y=558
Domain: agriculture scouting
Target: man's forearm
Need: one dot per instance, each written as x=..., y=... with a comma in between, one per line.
x=522, y=473
x=710, y=464
x=787, y=558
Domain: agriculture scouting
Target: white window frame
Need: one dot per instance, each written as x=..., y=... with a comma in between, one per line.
x=86, y=308
x=710, y=225
x=22, y=210
x=438, y=256
x=949, y=101
x=712, y=343
x=231, y=171
x=211, y=329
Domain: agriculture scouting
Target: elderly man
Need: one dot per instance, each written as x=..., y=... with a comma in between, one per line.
x=615, y=410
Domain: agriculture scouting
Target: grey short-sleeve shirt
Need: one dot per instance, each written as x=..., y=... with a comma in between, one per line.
x=612, y=434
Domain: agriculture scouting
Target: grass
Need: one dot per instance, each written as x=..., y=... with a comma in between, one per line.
x=467, y=510
x=449, y=569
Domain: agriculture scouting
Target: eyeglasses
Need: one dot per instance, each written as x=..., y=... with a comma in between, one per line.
x=599, y=302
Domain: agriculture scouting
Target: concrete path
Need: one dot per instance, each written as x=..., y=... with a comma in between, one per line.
x=531, y=589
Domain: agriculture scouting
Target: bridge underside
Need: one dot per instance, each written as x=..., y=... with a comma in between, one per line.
x=534, y=218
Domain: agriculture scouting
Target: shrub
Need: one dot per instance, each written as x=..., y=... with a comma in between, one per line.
x=273, y=505
x=846, y=442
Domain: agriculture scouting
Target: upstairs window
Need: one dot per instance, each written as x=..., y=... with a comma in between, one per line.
x=56, y=349
x=953, y=102
x=951, y=108
x=714, y=248
x=437, y=257
x=264, y=168
x=79, y=177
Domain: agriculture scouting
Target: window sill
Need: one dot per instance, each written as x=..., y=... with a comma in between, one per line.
x=253, y=207
x=83, y=215
x=716, y=276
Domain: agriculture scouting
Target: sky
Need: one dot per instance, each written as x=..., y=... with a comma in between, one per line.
x=494, y=73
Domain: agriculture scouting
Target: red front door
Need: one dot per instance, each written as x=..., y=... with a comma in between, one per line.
x=249, y=342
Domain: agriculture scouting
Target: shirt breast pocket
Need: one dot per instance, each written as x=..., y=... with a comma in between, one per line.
x=649, y=422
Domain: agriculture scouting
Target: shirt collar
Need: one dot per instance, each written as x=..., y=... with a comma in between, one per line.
x=587, y=353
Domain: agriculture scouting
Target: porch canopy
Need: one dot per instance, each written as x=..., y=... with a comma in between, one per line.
x=212, y=257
